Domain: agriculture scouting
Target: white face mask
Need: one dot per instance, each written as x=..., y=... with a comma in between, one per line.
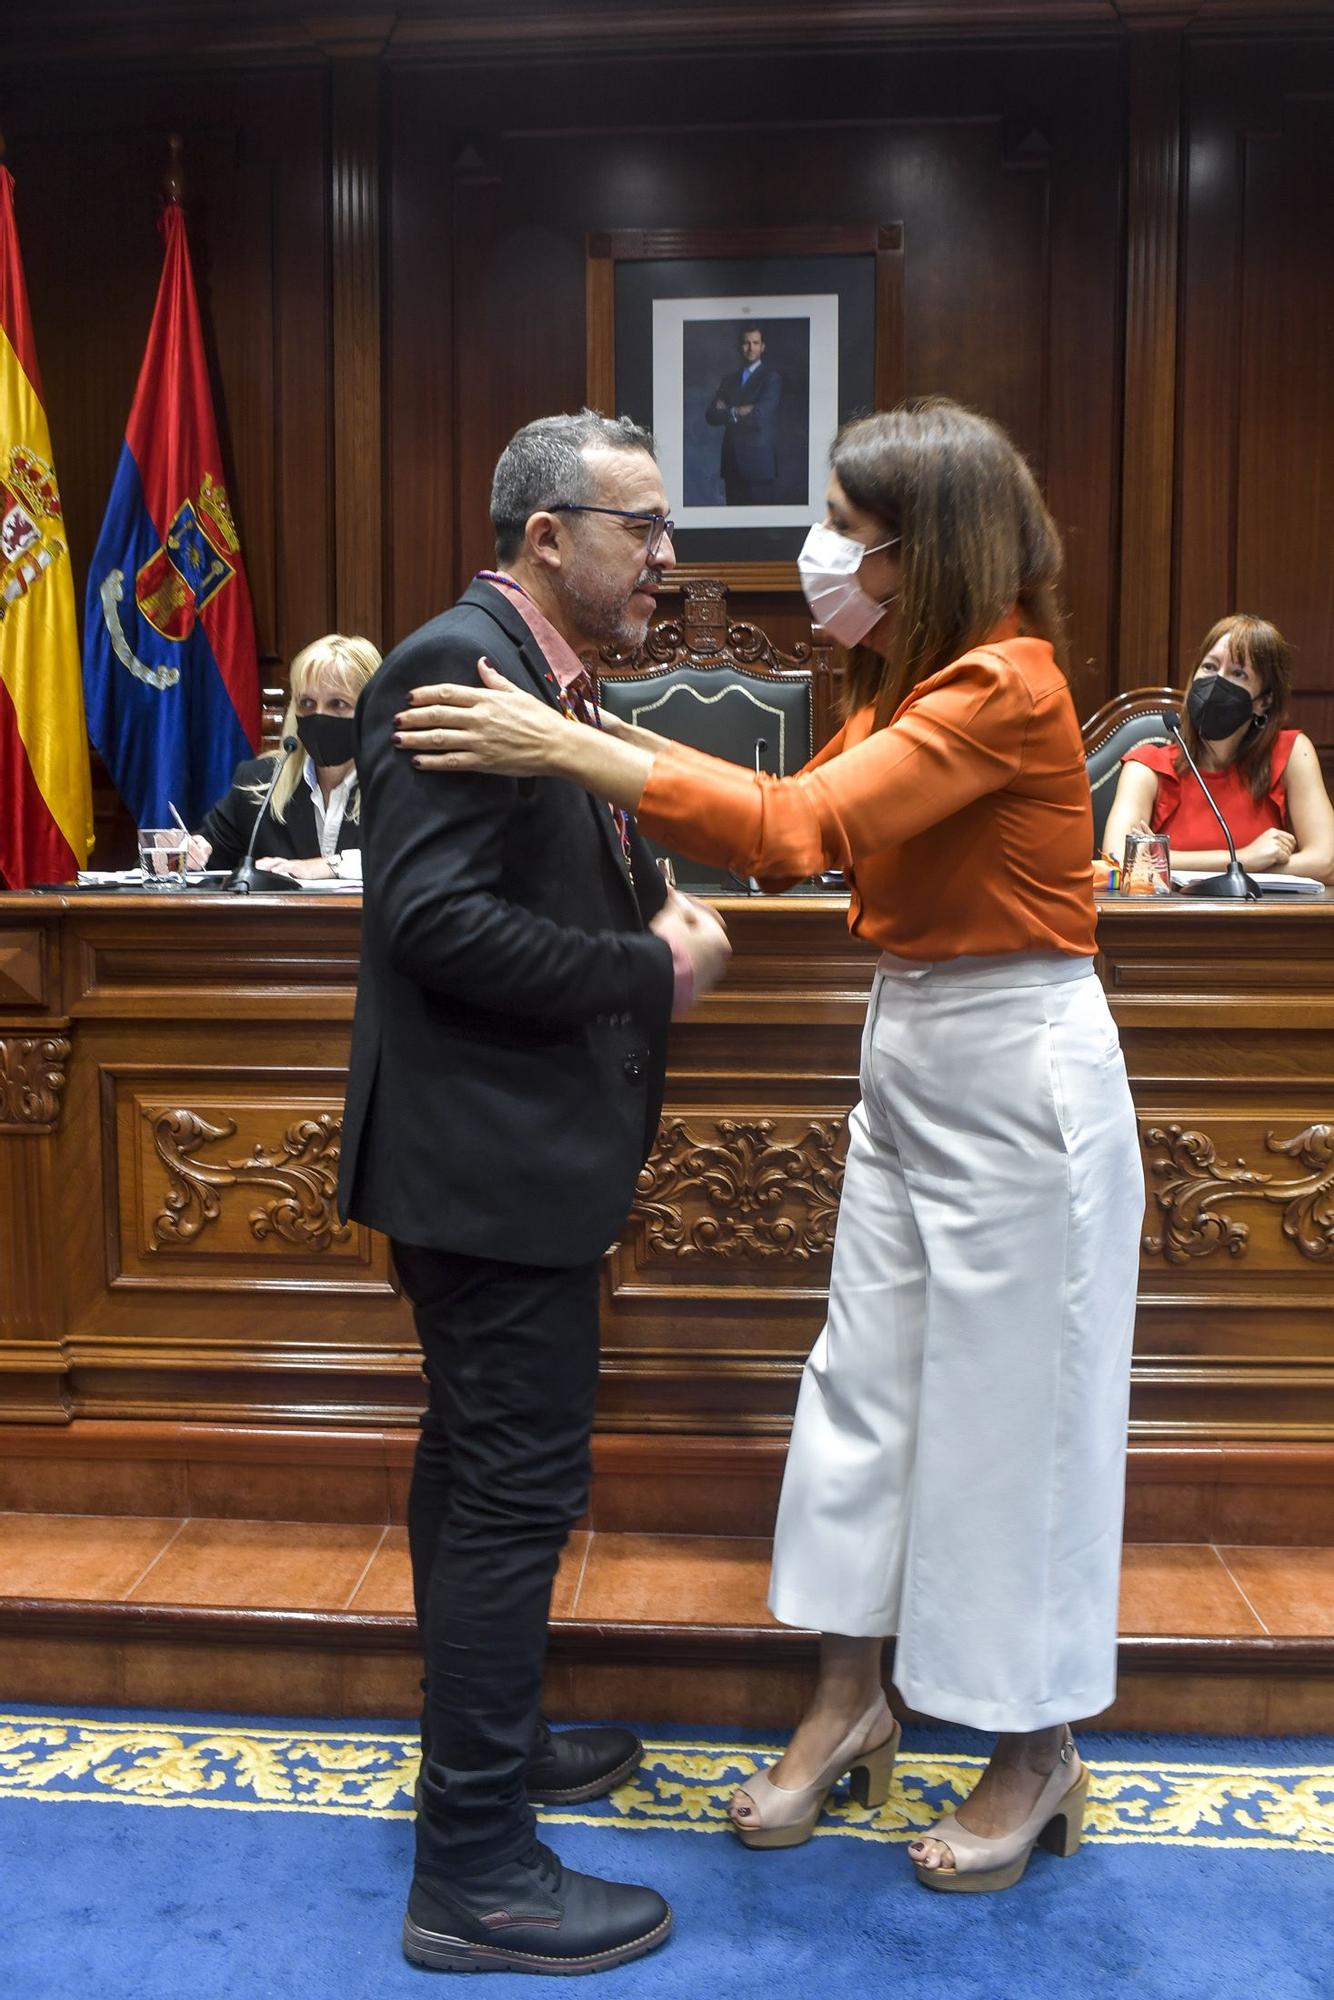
x=828, y=564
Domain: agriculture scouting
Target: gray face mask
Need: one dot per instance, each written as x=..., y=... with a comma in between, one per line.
x=1219, y=707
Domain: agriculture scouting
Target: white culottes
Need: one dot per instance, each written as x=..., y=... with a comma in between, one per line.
x=957, y=1466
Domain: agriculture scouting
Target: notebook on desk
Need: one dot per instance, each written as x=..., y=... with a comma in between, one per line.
x=1273, y=884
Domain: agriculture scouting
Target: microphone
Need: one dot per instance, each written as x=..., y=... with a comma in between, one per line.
x=761, y=745
x=245, y=876
x=1236, y=882
x=748, y=882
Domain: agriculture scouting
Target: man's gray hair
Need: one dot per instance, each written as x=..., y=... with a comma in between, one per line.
x=545, y=465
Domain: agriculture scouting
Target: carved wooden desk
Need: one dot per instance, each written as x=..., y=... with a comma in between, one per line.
x=171, y=1073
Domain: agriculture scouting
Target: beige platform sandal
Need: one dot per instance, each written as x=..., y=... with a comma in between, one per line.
x=784, y=1817
x=981, y=1865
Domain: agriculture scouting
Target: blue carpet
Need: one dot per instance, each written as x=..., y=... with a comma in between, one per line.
x=191, y=1858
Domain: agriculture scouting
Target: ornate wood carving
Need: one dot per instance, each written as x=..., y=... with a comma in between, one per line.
x=717, y=1287
x=702, y=635
x=703, y=632
x=32, y=1076
x=1196, y=1192
x=743, y=1195
x=303, y=1177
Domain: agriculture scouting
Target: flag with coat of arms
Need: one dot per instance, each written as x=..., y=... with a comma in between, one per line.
x=171, y=678
x=46, y=802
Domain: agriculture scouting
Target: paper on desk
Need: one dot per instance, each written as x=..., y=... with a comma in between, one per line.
x=330, y=885
x=129, y=878
x=1273, y=884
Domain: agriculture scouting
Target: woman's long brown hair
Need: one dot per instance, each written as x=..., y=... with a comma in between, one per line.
x=976, y=539
x=1261, y=644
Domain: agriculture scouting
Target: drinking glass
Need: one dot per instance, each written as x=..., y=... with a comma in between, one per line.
x=1148, y=865
x=163, y=855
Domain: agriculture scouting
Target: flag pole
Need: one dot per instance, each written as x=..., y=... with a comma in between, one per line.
x=173, y=186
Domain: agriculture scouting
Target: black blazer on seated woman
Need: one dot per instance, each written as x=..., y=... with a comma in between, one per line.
x=293, y=838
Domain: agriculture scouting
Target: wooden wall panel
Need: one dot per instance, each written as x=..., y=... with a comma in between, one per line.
x=89, y=164
x=1256, y=464
x=1004, y=171
x=389, y=248
x=358, y=449
x=167, y=1189
x=89, y=159
x=1149, y=427
x=220, y=1182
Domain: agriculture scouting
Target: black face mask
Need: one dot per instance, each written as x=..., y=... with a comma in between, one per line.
x=328, y=738
x=1218, y=707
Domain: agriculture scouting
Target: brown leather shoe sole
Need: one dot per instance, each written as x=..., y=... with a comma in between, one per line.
x=439, y=1952
x=597, y=1790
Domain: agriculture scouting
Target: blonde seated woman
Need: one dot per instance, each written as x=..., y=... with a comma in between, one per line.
x=312, y=829
x=1264, y=779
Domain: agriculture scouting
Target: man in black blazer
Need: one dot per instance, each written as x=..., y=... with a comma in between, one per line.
x=746, y=406
x=520, y=960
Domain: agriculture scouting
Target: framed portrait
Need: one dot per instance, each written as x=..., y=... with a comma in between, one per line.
x=743, y=351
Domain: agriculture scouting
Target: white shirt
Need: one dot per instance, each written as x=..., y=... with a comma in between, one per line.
x=329, y=820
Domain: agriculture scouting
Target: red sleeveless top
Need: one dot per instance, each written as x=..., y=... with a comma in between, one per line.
x=1180, y=810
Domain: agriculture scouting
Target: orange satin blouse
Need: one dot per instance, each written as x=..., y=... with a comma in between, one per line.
x=964, y=827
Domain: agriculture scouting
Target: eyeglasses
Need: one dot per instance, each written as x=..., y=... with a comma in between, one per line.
x=660, y=529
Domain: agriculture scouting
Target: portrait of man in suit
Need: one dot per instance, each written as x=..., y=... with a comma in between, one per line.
x=746, y=409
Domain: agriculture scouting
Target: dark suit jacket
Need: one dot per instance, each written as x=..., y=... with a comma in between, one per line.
x=750, y=445
x=295, y=837
x=510, y=1036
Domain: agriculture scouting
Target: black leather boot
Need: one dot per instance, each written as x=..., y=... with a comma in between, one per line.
x=531, y=1915
x=570, y=1765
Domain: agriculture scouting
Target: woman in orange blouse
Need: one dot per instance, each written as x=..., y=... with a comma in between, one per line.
x=955, y=1475
x=1264, y=779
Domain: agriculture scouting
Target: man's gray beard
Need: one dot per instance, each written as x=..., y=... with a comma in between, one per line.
x=605, y=618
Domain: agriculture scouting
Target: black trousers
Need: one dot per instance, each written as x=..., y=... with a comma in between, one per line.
x=501, y=1475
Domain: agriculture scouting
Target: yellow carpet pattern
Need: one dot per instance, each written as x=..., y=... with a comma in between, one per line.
x=681, y=1786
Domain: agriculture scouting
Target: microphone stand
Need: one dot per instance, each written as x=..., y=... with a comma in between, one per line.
x=761, y=745
x=246, y=877
x=1236, y=882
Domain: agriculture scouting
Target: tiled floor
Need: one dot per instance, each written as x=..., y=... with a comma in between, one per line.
x=1176, y=1590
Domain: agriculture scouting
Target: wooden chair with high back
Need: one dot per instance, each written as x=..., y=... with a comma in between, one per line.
x=1127, y=719
x=723, y=686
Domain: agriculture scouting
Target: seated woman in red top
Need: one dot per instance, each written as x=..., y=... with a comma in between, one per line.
x=1264, y=779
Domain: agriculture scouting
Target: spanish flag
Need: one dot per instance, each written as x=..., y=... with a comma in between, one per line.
x=46, y=797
